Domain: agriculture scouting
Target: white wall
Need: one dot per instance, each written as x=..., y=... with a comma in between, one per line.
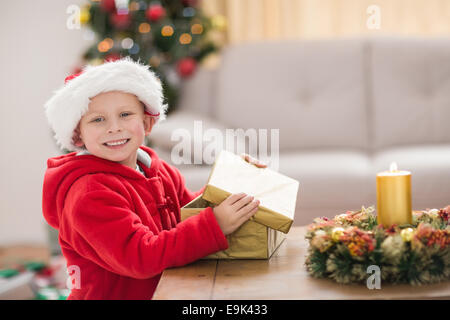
x=37, y=52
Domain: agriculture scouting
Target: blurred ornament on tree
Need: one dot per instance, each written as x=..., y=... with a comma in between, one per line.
x=112, y=57
x=84, y=14
x=186, y=67
x=108, y=5
x=120, y=21
x=155, y=12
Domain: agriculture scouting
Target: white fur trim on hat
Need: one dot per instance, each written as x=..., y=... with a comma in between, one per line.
x=69, y=103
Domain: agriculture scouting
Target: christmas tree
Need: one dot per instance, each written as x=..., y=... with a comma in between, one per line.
x=169, y=35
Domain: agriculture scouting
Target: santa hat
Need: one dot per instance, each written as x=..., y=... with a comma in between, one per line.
x=69, y=103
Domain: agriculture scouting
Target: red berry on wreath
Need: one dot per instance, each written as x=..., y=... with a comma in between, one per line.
x=155, y=12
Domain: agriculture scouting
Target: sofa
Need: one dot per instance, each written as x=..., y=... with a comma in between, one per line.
x=345, y=109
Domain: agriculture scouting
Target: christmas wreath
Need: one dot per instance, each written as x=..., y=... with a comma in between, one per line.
x=344, y=247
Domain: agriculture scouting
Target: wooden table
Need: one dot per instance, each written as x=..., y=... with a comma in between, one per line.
x=284, y=276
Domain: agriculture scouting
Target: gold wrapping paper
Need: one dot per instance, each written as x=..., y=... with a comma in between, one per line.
x=277, y=193
x=251, y=241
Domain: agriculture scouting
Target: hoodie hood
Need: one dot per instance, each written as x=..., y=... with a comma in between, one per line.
x=64, y=170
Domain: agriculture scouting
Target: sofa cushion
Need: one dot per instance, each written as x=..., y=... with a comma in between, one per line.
x=196, y=134
x=430, y=170
x=329, y=179
x=411, y=91
x=313, y=91
x=184, y=121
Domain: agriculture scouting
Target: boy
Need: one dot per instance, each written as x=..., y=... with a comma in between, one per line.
x=115, y=203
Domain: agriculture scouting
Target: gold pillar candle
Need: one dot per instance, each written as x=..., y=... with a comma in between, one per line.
x=394, y=197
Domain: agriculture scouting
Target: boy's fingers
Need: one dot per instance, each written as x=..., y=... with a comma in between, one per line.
x=248, y=207
x=248, y=158
x=253, y=161
x=234, y=197
x=247, y=215
x=242, y=202
x=260, y=165
x=245, y=156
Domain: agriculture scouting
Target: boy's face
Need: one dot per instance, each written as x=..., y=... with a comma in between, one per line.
x=114, y=127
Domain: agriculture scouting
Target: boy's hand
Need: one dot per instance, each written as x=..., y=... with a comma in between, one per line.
x=254, y=161
x=234, y=211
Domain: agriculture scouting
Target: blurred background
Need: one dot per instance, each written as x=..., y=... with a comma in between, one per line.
x=351, y=85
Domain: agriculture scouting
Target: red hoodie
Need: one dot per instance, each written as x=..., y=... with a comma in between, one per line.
x=122, y=229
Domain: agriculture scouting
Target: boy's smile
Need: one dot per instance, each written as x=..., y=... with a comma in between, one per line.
x=114, y=127
x=116, y=143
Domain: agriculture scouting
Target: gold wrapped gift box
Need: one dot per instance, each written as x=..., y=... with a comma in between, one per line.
x=250, y=241
x=260, y=236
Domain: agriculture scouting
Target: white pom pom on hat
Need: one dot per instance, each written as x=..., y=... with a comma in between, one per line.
x=69, y=103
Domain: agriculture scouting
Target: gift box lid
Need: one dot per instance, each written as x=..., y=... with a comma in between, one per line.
x=276, y=192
